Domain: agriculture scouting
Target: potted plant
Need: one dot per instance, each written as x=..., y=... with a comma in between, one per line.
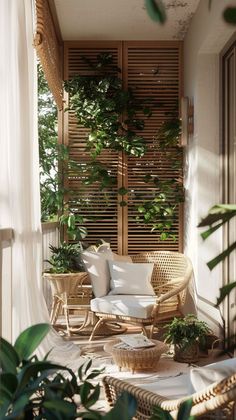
x=66, y=273
x=186, y=334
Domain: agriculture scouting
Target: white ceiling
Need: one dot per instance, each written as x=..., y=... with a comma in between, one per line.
x=121, y=20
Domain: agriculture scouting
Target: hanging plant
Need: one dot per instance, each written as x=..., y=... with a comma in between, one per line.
x=159, y=211
x=99, y=102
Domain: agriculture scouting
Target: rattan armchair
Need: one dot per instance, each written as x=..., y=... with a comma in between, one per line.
x=214, y=402
x=170, y=278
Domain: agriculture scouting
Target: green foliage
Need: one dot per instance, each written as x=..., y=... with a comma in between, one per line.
x=49, y=150
x=230, y=15
x=54, y=165
x=218, y=215
x=160, y=209
x=156, y=10
x=65, y=258
x=183, y=413
x=185, y=331
x=33, y=389
x=99, y=101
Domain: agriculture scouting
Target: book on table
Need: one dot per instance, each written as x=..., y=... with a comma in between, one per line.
x=134, y=341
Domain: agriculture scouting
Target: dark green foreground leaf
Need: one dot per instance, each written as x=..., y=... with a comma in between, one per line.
x=155, y=10
x=230, y=15
x=29, y=340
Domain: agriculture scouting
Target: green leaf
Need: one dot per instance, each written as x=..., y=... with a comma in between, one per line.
x=9, y=382
x=123, y=203
x=124, y=408
x=211, y=264
x=84, y=392
x=184, y=410
x=33, y=370
x=29, y=339
x=65, y=407
x=89, y=364
x=93, y=397
x=160, y=414
x=225, y=291
x=122, y=191
x=230, y=15
x=155, y=10
x=9, y=359
x=19, y=406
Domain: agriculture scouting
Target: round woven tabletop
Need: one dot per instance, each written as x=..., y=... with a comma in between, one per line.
x=141, y=359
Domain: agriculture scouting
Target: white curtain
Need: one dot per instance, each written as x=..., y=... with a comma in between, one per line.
x=19, y=173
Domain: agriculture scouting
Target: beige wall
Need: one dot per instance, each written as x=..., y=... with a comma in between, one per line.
x=206, y=37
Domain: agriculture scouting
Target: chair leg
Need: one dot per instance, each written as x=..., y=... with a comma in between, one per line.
x=53, y=310
x=56, y=305
x=58, y=308
x=151, y=331
x=66, y=313
x=96, y=327
x=144, y=330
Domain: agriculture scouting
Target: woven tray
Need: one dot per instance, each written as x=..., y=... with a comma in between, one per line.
x=136, y=360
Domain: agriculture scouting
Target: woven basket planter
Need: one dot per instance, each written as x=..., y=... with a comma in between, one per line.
x=188, y=354
x=65, y=282
x=137, y=360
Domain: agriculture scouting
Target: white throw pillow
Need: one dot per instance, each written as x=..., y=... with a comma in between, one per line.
x=131, y=279
x=202, y=377
x=96, y=264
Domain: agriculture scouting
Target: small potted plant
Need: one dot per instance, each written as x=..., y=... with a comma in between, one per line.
x=65, y=258
x=66, y=273
x=186, y=334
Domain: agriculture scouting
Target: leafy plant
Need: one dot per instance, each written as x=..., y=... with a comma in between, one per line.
x=99, y=101
x=39, y=389
x=218, y=216
x=65, y=258
x=183, y=413
x=186, y=331
x=160, y=209
x=156, y=11
x=52, y=159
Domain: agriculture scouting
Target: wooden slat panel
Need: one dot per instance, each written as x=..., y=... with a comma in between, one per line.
x=153, y=73
x=101, y=211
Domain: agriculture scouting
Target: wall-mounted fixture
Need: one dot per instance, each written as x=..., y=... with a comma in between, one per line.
x=187, y=112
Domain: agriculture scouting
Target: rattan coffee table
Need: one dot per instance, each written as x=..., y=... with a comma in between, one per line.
x=142, y=359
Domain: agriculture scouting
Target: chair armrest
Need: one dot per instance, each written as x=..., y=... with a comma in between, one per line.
x=176, y=285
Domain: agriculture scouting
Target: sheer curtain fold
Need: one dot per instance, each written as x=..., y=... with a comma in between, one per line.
x=19, y=173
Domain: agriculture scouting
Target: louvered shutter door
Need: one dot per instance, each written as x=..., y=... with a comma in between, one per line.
x=98, y=207
x=153, y=70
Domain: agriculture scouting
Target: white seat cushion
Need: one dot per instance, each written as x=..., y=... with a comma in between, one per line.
x=131, y=279
x=202, y=377
x=171, y=388
x=128, y=305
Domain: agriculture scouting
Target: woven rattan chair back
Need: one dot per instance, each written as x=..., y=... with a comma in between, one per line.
x=217, y=401
x=168, y=265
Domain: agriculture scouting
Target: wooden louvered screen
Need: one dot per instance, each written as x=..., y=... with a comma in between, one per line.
x=99, y=207
x=153, y=70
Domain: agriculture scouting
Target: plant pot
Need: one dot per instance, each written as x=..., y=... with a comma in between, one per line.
x=189, y=354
